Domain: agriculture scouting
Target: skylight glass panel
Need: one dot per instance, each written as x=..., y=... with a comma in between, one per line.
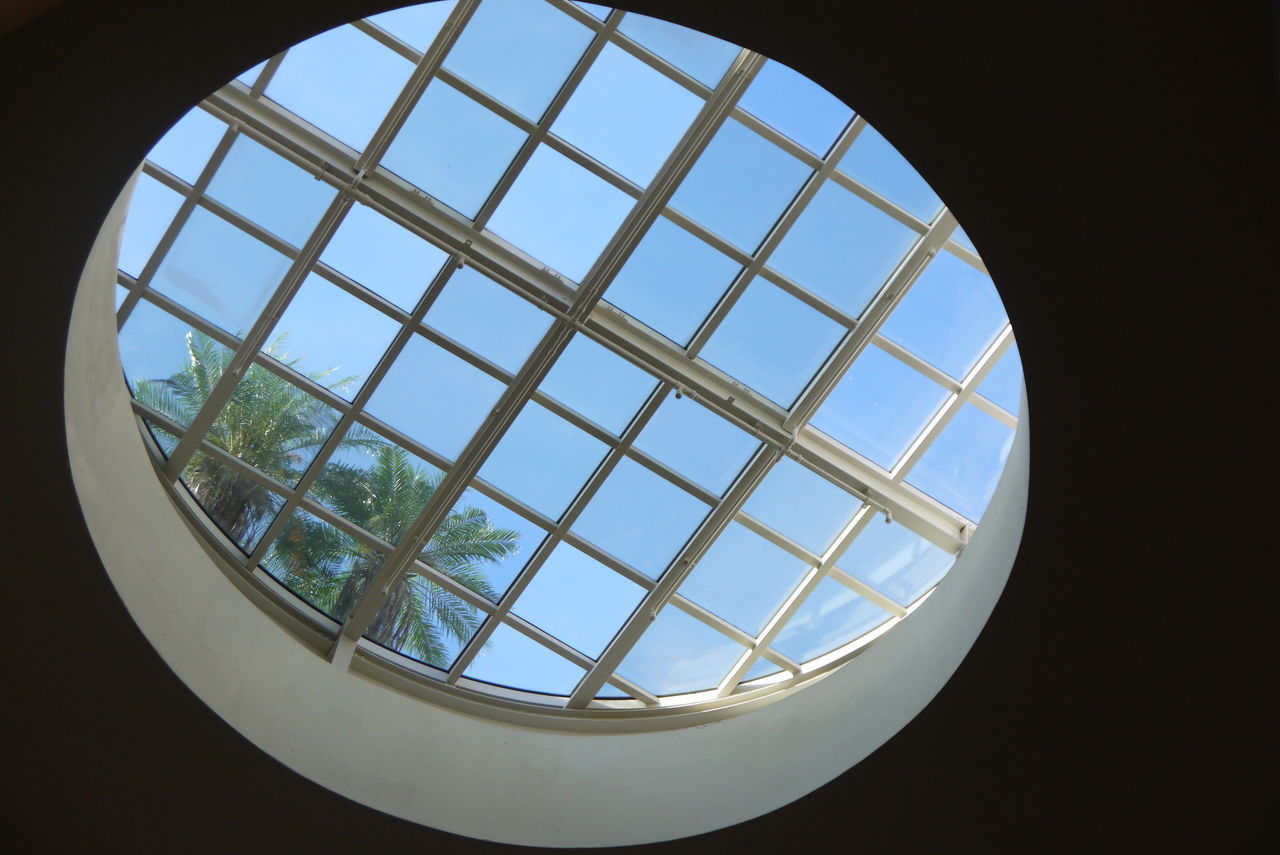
x=802, y=505
x=509, y=658
x=185, y=148
x=744, y=578
x=437, y=641
x=560, y=213
x=219, y=272
x=434, y=397
x=453, y=148
x=1003, y=385
x=647, y=541
x=796, y=106
x=895, y=561
x=961, y=237
x=679, y=654
x=342, y=81
x=949, y=317
x=842, y=248
x=599, y=384
x=671, y=281
x=542, y=460
x=331, y=337
x=877, y=165
x=762, y=668
x=772, y=342
x=627, y=115
x=313, y=559
x=382, y=256
x=595, y=9
x=154, y=347
x=240, y=507
x=519, y=52
x=480, y=314
x=416, y=26
x=703, y=57
x=963, y=465
x=740, y=185
x=879, y=407
x=578, y=600
x=121, y=294
x=496, y=522
x=262, y=186
x=830, y=617
x=697, y=443
x=151, y=210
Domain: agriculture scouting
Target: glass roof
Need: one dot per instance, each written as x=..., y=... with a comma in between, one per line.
x=563, y=353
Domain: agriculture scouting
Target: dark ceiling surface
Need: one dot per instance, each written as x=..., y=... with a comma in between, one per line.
x=1115, y=165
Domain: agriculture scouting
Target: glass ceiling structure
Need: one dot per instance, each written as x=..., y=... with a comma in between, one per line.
x=563, y=356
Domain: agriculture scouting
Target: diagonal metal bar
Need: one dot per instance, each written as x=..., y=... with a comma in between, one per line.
x=554, y=341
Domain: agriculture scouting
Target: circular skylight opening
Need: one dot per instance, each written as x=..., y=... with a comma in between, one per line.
x=535, y=355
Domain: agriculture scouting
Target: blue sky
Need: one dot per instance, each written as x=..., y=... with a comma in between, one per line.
x=629, y=117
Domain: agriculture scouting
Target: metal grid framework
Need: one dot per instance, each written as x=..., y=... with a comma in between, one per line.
x=577, y=309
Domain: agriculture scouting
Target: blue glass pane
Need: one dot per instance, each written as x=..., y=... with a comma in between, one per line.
x=417, y=632
x=842, y=248
x=703, y=57
x=762, y=668
x=511, y=659
x=895, y=561
x=961, y=237
x=238, y=505
x=382, y=256
x=697, y=443
x=480, y=314
x=502, y=570
x=876, y=164
x=949, y=316
x=121, y=293
x=830, y=617
x=313, y=559
x=186, y=147
x=649, y=539
x=560, y=214
x=154, y=347
x=627, y=115
x=578, y=600
x=220, y=272
x=434, y=397
x=801, y=504
x=679, y=654
x=772, y=342
x=599, y=384
x=598, y=11
x=962, y=467
x=795, y=105
x=342, y=81
x=740, y=185
x=151, y=210
x=743, y=578
x=519, y=52
x=417, y=25
x=331, y=337
x=672, y=281
x=542, y=460
x=879, y=407
x=453, y=148
x=1003, y=386
x=264, y=187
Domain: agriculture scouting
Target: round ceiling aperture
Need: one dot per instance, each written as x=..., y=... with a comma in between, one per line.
x=541, y=356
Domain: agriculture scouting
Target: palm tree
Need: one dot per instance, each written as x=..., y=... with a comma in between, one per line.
x=274, y=426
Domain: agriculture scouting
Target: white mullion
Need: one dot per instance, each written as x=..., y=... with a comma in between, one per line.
x=873, y=198
x=657, y=63
x=778, y=138
x=778, y=539
x=965, y=254
x=866, y=591
x=711, y=619
x=804, y=295
x=908, y=358
x=582, y=16
x=388, y=40
x=263, y=80
x=994, y=410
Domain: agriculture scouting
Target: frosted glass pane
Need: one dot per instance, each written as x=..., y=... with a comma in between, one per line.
x=795, y=105
x=879, y=407
x=831, y=616
x=560, y=213
x=801, y=504
x=151, y=210
x=434, y=397
x=220, y=272
x=383, y=257
x=842, y=249
x=703, y=57
x=342, y=81
x=895, y=561
x=697, y=443
x=964, y=463
x=679, y=654
x=269, y=190
x=185, y=148
x=772, y=342
x=453, y=148
x=647, y=540
x=516, y=661
x=480, y=314
x=599, y=384
x=627, y=115
x=878, y=165
x=578, y=600
x=743, y=578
